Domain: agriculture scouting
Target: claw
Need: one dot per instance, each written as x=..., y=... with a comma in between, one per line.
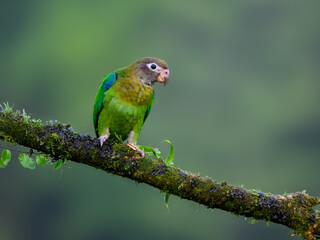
x=135, y=148
x=102, y=139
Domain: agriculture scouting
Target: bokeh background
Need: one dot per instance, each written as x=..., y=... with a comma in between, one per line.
x=242, y=106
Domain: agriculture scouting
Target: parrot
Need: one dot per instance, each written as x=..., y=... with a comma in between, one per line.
x=125, y=98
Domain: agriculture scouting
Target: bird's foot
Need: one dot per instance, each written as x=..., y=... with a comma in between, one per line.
x=103, y=138
x=135, y=148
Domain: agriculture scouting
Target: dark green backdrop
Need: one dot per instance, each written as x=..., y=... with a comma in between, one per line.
x=242, y=106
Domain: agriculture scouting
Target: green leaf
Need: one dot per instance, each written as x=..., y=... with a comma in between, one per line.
x=156, y=152
x=166, y=200
x=41, y=159
x=26, y=161
x=169, y=160
x=267, y=222
x=253, y=221
x=58, y=164
x=5, y=158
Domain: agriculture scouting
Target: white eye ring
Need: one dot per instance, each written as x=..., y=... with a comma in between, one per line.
x=153, y=66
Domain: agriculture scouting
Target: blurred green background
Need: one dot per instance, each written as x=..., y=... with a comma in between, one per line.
x=242, y=106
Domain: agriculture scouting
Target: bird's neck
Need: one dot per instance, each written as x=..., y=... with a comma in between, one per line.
x=131, y=90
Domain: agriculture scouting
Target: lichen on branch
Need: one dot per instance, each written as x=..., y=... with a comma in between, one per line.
x=60, y=141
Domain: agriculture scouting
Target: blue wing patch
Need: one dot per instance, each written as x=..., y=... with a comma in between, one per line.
x=108, y=81
x=106, y=84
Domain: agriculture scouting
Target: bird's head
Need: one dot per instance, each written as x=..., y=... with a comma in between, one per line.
x=150, y=70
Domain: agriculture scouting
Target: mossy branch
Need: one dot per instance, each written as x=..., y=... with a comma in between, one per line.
x=61, y=142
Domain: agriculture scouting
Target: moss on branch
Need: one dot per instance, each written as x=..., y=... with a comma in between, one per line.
x=60, y=141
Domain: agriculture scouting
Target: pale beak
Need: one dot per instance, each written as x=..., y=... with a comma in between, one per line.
x=163, y=77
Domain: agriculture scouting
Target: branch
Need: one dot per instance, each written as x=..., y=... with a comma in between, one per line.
x=61, y=142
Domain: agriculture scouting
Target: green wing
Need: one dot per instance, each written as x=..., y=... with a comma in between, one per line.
x=150, y=103
x=106, y=84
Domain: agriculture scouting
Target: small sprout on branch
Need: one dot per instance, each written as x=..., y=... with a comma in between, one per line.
x=25, y=116
x=6, y=108
x=169, y=162
x=151, y=151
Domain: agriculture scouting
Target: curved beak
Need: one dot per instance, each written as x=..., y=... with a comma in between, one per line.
x=163, y=77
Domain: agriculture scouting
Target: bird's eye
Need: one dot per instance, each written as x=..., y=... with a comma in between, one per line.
x=152, y=66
